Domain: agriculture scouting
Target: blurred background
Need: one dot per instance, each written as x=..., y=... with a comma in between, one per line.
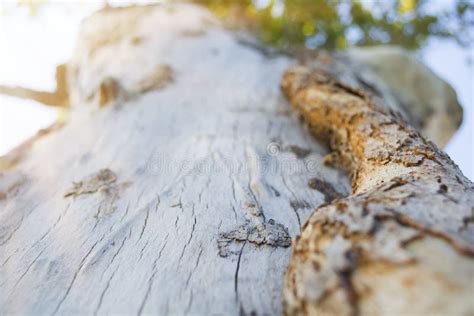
x=36, y=35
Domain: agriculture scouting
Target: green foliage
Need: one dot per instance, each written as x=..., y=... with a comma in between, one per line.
x=335, y=24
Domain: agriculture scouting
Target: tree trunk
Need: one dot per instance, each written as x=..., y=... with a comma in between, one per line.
x=181, y=174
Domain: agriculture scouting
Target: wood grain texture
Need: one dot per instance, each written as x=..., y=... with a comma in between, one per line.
x=194, y=151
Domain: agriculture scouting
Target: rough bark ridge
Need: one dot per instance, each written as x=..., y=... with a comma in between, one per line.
x=431, y=102
x=403, y=242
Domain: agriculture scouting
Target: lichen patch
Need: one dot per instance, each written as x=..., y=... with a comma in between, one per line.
x=269, y=233
x=104, y=180
x=102, y=187
x=256, y=230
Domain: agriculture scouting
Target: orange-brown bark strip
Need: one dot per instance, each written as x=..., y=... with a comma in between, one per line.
x=406, y=192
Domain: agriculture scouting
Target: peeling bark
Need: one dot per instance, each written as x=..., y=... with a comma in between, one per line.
x=375, y=251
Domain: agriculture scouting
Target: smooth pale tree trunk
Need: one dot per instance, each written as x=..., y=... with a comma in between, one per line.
x=181, y=174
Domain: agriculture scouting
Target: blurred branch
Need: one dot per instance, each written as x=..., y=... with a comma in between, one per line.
x=58, y=98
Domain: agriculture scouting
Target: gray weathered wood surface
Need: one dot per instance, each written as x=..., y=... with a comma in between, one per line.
x=188, y=160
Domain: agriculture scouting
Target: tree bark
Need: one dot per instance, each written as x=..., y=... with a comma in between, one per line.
x=181, y=175
x=404, y=235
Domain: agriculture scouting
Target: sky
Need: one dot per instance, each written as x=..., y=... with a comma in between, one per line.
x=31, y=47
x=448, y=61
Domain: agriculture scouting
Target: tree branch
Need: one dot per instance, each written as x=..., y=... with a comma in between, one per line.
x=410, y=203
x=58, y=98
